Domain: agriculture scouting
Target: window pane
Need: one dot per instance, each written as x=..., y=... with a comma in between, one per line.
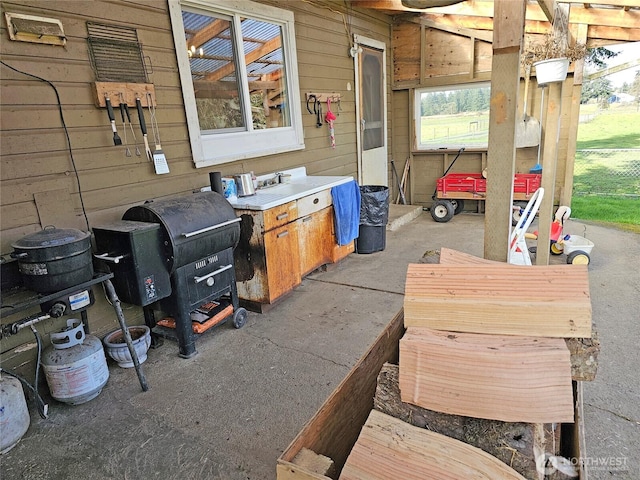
x=210, y=45
x=264, y=58
x=454, y=116
x=372, y=98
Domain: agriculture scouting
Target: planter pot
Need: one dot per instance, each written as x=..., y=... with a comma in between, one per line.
x=552, y=70
x=117, y=349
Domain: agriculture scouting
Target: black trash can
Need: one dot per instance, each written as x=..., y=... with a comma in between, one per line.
x=374, y=215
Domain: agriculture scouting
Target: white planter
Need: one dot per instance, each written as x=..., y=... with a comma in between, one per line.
x=552, y=70
x=117, y=349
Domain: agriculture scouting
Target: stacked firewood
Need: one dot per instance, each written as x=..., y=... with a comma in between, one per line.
x=484, y=380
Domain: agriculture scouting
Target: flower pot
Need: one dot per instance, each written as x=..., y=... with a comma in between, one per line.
x=551, y=70
x=117, y=349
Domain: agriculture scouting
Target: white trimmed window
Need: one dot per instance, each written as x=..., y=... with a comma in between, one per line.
x=239, y=75
x=452, y=117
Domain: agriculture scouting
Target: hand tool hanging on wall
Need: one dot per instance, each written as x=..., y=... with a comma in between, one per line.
x=317, y=109
x=133, y=133
x=159, y=160
x=143, y=128
x=329, y=118
x=112, y=119
x=127, y=150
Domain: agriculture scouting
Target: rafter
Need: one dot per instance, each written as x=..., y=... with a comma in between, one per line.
x=250, y=57
x=210, y=31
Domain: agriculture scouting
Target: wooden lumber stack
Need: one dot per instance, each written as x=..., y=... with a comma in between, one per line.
x=517, y=444
x=388, y=448
x=498, y=377
x=498, y=298
x=484, y=361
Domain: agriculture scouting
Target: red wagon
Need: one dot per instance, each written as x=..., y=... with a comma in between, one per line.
x=454, y=188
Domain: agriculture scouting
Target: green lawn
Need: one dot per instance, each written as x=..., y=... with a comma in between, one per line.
x=616, y=173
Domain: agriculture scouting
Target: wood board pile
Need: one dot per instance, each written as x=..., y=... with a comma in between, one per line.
x=517, y=444
x=389, y=448
x=485, y=342
x=498, y=377
x=498, y=298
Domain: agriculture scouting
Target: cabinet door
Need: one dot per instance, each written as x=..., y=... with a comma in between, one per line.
x=283, y=260
x=315, y=240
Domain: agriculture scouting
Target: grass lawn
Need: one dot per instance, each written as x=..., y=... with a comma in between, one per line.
x=621, y=212
x=617, y=127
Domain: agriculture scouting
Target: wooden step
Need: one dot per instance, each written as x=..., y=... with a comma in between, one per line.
x=388, y=448
x=498, y=377
x=543, y=301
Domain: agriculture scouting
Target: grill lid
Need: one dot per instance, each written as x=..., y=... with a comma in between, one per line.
x=193, y=226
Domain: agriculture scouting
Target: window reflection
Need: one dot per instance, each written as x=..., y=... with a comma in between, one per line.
x=218, y=67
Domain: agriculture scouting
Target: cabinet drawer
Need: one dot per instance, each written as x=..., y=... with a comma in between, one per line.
x=280, y=215
x=314, y=203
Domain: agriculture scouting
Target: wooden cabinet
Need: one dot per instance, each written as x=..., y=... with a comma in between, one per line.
x=315, y=240
x=280, y=245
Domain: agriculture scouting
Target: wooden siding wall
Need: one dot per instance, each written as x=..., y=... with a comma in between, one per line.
x=38, y=183
x=450, y=59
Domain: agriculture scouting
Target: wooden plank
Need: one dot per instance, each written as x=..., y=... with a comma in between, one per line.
x=390, y=448
x=127, y=92
x=496, y=377
x=517, y=444
x=503, y=299
x=57, y=208
x=449, y=256
x=311, y=461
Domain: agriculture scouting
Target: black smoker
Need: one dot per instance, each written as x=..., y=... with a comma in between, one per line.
x=176, y=256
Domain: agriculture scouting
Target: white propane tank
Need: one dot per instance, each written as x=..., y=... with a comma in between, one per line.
x=14, y=414
x=75, y=366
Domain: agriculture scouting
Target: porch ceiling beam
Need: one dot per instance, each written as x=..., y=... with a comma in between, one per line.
x=598, y=36
x=484, y=35
x=614, y=19
x=548, y=7
x=611, y=17
x=610, y=3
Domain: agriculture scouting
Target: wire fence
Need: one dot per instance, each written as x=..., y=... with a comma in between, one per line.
x=614, y=172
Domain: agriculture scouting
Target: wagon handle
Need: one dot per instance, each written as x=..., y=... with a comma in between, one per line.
x=433, y=197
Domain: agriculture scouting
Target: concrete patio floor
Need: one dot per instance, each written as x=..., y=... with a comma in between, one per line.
x=230, y=411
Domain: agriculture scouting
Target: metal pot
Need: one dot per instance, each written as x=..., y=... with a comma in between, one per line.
x=54, y=259
x=244, y=183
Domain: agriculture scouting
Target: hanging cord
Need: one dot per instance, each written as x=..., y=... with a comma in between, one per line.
x=41, y=406
x=66, y=131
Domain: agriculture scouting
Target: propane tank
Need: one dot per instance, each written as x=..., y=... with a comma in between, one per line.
x=14, y=414
x=75, y=365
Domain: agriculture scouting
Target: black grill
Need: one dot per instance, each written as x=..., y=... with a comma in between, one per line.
x=176, y=256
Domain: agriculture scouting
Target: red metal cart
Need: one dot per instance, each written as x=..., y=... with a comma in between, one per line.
x=454, y=188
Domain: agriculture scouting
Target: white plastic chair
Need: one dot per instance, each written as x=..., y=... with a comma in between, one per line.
x=518, y=251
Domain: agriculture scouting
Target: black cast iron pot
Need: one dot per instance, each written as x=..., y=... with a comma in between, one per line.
x=54, y=259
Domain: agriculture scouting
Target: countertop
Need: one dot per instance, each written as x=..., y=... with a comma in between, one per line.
x=298, y=187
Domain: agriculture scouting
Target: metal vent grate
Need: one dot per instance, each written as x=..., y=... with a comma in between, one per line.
x=116, y=53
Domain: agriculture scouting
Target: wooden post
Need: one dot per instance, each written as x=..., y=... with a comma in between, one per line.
x=509, y=18
x=574, y=120
x=549, y=166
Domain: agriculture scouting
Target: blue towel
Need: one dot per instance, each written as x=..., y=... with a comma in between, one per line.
x=346, y=206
